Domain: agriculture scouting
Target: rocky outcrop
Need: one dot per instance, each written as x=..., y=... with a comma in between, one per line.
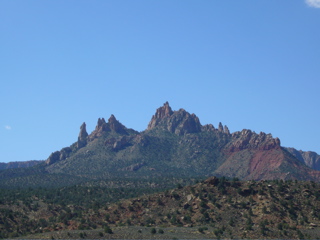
x=116, y=126
x=142, y=140
x=56, y=156
x=113, y=125
x=101, y=128
x=246, y=139
x=212, y=181
x=211, y=128
x=178, y=122
x=311, y=159
x=161, y=113
x=65, y=153
x=117, y=144
x=120, y=143
x=226, y=130
x=208, y=128
x=134, y=167
x=83, y=135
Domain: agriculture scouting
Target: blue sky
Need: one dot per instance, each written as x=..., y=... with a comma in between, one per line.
x=249, y=64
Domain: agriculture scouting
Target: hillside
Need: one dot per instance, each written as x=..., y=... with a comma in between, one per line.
x=214, y=208
x=175, y=144
x=311, y=159
x=22, y=164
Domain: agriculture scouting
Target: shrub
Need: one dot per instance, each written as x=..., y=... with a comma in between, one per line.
x=153, y=231
x=107, y=229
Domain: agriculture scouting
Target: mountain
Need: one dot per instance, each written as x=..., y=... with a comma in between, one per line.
x=311, y=159
x=174, y=145
x=23, y=164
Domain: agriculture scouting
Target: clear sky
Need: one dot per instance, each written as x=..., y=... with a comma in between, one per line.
x=248, y=64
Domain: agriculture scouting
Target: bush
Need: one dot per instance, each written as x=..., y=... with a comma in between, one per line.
x=153, y=231
x=160, y=231
x=107, y=229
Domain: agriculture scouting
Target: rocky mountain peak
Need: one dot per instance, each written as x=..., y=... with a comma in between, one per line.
x=100, y=123
x=162, y=112
x=101, y=127
x=115, y=125
x=178, y=122
x=82, y=138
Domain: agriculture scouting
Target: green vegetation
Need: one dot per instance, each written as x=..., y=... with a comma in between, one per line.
x=203, y=206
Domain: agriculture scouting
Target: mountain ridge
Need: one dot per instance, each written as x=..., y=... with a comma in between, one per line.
x=182, y=136
x=19, y=164
x=175, y=144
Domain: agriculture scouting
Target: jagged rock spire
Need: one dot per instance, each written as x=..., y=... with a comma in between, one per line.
x=161, y=113
x=82, y=138
x=164, y=111
x=115, y=125
x=226, y=130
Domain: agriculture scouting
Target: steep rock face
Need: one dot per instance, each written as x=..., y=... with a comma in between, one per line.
x=59, y=155
x=82, y=138
x=311, y=159
x=54, y=157
x=178, y=122
x=246, y=139
x=116, y=126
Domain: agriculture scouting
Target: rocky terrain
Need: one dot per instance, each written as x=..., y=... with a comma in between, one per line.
x=214, y=208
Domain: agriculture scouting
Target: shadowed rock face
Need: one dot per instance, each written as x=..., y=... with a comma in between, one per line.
x=311, y=159
x=82, y=138
x=63, y=154
x=116, y=126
